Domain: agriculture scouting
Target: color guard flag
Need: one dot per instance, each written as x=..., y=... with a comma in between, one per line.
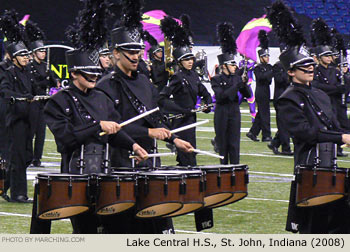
x=248, y=41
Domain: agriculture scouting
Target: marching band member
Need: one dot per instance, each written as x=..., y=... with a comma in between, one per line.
x=43, y=79
x=227, y=117
x=76, y=115
x=17, y=88
x=134, y=94
x=311, y=122
x=184, y=86
x=263, y=73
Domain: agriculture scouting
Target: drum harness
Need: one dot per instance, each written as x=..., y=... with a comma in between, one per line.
x=87, y=118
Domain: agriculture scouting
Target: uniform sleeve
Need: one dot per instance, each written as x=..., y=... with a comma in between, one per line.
x=121, y=139
x=299, y=127
x=222, y=94
x=164, y=101
x=279, y=75
x=263, y=74
x=203, y=92
x=59, y=121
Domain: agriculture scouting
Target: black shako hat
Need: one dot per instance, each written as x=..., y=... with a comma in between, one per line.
x=179, y=38
x=290, y=35
x=126, y=39
x=13, y=31
x=88, y=35
x=225, y=32
x=83, y=61
x=35, y=36
x=322, y=38
x=128, y=35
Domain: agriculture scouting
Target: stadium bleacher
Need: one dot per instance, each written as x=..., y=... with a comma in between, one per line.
x=335, y=12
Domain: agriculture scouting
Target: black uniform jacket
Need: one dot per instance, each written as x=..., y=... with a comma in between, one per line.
x=142, y=68
x=328, y=80
x=115, y=85
x=70, y=130
x=185, y=86
x=159, y=75
x=263, y=74
x=281, y=80
x=226, y=88
x=42, y=77
x=16, y=83
x=302, y=122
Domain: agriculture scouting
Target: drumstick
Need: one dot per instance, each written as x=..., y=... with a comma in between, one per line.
x=207, y=153
x=134, y=119
x=156, y=155
x=345, y=146
x=188, y=126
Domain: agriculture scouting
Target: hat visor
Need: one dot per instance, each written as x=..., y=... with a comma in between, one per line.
x=230, y=62
x=93, y=70
x=24, y=52
x=326, y=53
x=186, y=56
x=305, y=62
x=130, y=46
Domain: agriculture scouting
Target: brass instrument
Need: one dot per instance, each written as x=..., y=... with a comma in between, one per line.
x=199, y=109
x=168, y=56
x=202, y=65
x=35, y=98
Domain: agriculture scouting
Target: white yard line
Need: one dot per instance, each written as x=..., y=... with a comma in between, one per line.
x=261, y=199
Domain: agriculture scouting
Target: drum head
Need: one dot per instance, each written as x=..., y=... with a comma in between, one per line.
x=320, y=200
x=187, y=208
x=236, y=197
x=217, y=198
x=64, y=212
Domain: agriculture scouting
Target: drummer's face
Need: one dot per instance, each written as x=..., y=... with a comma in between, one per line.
x=127, y=60
x=82, y=83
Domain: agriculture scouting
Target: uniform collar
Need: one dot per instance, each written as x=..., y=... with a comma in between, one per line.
x=302, y=85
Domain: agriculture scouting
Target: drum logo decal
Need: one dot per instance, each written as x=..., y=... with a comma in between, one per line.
x=147, y=213
x=52, y=214
x=107, y=210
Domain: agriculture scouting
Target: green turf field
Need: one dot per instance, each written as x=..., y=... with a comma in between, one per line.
x=263, y=211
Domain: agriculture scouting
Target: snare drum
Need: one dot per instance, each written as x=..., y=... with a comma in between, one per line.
x=62, y=195
x=159, y=194
x=116, y=192
x=225, y=184
x=318, y=186
x=192, y=192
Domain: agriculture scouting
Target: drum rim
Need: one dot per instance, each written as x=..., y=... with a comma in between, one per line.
x=110, y=177
x=329, y=169
x=63, y=176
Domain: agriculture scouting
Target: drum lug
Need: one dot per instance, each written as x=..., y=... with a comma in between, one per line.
x=118, y=188
x=136, y=187
x=314, y=179
x=49, y=188
x=219, y=178
x=246, y=178
x=233, y=178
x=166, y=186
x=146, y=187
x=70, y=187
x=334, y=179
x=183, y=187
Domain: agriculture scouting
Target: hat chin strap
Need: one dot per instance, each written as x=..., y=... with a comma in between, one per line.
x=86, y=77
x=228, y=70
x=130, y=60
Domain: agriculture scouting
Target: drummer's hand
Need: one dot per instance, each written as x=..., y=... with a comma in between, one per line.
x=183, y=145
x=110, y=127
x=159, y=133
x=141, y=154
x=346, y=139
